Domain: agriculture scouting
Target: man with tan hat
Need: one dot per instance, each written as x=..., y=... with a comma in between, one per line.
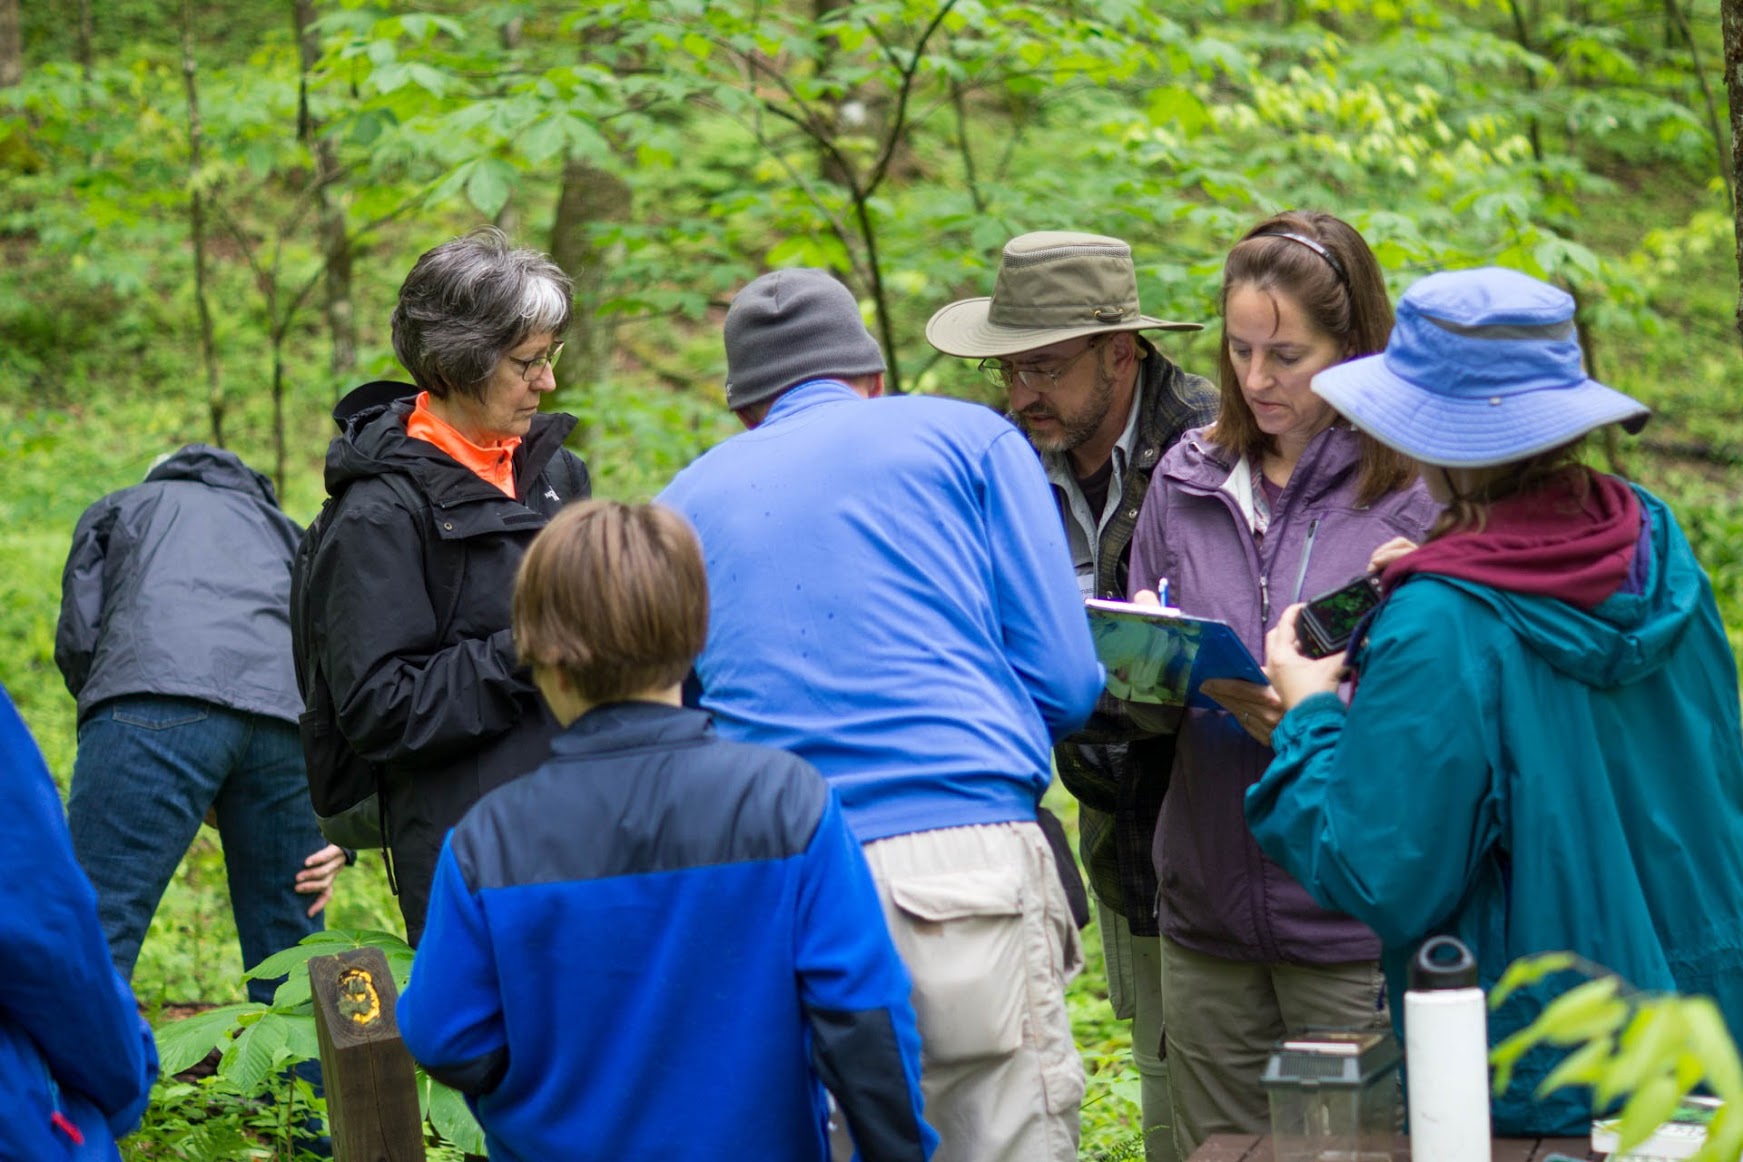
x=1100, y=404
x=890, y=597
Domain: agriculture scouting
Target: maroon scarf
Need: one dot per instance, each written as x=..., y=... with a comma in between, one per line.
x=1550, y=542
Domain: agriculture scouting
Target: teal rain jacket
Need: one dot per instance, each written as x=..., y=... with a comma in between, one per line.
x=1529, y=777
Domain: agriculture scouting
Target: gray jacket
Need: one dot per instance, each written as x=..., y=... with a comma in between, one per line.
x=181, y=586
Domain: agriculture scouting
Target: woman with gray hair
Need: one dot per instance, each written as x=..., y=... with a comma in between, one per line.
x=438, y=489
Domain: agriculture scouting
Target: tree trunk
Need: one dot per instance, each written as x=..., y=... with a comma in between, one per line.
x=197, y=227
x=1674, y=11
x=11, y=45
x=1731, y=13
x=336, y=249
x=87, y=32
x=590, y=196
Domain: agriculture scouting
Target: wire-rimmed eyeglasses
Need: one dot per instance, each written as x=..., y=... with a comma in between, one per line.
x=530, y=368
x=1003, y=373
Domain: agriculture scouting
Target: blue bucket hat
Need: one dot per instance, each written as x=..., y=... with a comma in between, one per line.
x=1483, y=368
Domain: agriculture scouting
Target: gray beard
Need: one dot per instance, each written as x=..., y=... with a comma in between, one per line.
x=1075, y=430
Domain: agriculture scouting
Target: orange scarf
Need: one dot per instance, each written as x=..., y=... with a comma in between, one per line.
x=493, y=464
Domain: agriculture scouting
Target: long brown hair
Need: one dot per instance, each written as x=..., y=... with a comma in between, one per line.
x=1344, y=296
x=1558, y=468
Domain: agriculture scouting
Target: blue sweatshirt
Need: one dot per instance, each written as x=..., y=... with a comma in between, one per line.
x=891, y=597
x=76, y=1060
x=662, y=945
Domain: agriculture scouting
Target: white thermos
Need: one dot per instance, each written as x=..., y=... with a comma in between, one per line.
x=1446, y=1055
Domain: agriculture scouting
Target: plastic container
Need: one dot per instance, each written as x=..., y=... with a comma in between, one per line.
x=1334, y=1097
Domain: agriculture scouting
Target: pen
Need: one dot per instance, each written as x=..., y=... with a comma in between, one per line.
x=1162, y=591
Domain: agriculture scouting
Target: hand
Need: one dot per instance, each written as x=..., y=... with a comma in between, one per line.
x=1255, y=707
x=1389, y=552
x=1293, y=676
x=319, y=872
x=1146, y=597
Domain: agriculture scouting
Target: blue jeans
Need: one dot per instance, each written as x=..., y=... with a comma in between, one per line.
x=148, y=768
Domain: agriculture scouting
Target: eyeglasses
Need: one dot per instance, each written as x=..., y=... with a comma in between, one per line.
x=1003, y=373
x=530, y=368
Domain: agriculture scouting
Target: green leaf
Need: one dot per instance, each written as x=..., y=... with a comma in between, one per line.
x=180, y=1044
x=1581, y=1067
x=453, y=1120
x=489, y=186
x=252, y=1055
x=1651, y=1104
x=297, y=955
x=1711, y=1041
x=1583, y=1011
x=1648, y=1046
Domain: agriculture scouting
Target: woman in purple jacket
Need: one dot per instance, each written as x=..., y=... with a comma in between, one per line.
x=1278, y=501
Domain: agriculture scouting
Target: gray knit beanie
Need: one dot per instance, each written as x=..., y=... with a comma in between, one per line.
x=790, y=326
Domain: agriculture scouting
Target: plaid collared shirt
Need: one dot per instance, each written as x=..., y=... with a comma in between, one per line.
x=1117, y=772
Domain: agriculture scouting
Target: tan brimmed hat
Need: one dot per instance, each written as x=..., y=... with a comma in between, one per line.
x=1052, y=286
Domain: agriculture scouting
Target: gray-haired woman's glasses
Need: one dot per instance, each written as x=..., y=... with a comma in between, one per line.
x=530, y=368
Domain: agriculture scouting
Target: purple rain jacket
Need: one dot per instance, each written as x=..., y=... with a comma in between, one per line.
x=1219, y=894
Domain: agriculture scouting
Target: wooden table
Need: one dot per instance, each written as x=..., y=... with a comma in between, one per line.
x=1257, y=1148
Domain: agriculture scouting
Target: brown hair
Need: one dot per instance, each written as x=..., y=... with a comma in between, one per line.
x=1344, y=296
x=1547, y=471
x=614, y=596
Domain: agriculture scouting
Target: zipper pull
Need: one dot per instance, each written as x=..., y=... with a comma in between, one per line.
x=62, y=1123
x=1264, y=603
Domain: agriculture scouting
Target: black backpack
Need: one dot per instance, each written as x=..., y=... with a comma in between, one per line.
x=344, y=787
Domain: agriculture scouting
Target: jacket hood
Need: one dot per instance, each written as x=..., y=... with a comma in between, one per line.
x=372, y=441
x=215, y=467
x=1325, y=467
x=1628, y=636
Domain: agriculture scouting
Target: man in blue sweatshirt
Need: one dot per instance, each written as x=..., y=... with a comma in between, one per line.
x=893, y=600
x=659, y=944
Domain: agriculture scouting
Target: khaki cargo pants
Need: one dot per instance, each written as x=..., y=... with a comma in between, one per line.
x=985, y=931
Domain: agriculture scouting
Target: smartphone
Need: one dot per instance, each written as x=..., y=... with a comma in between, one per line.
x=1328, y=620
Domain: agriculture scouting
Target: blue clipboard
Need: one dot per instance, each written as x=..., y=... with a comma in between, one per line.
x=1160, y=655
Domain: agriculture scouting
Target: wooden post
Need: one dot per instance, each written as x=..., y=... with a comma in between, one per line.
x=372, y=1093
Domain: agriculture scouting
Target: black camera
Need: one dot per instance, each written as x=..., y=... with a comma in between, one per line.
x=1328, y=620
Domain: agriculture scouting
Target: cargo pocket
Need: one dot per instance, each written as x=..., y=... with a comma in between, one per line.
x=964, y=947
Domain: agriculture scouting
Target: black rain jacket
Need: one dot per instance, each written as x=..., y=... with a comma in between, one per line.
x=409, y=613
x=180, y=586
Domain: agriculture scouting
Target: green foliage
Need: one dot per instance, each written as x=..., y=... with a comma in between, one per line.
x=1651, y=1049
x=898, y=142
x=261, y=1043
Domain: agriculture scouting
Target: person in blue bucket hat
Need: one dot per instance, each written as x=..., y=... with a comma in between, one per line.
x=1543, y=748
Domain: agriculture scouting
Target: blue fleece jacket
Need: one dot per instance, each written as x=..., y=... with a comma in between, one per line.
x=662, y=945
x=1528, y=776
x=76, y=1060
x=891, y=597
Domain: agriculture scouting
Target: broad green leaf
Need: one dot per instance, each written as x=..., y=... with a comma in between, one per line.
x=1581, y=1067
x=250, y=1058
x=453, y=1120
x=180, y=1044
x=489, y=186
x=1711, y=1041
x=1649, y=1046
x=1651, y=1104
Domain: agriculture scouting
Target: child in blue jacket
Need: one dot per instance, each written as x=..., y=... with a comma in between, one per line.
x=658, y=944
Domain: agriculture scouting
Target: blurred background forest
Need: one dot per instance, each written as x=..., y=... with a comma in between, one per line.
x=207, y=209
